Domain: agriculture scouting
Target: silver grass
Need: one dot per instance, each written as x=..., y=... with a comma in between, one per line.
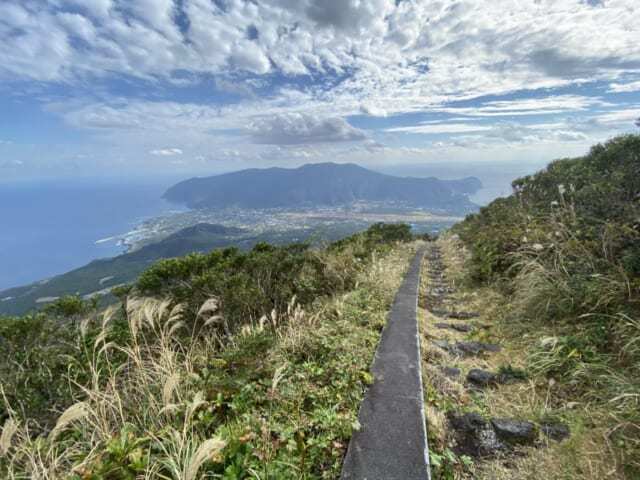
x=169, y=387
x=75, y=412
x=209, y=306
x=204, y=452
x=8, y=431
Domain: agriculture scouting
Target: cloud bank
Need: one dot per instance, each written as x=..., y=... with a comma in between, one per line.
x=214, y=76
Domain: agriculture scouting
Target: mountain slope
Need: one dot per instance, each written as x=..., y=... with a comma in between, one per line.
x=321, y=184
x=224, y=375
x=100, y=276
x=105, y=273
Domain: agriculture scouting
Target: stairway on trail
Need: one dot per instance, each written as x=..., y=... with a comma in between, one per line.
x=475, y=435
x=391, y=443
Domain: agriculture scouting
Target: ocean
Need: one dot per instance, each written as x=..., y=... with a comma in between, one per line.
x=48, y=228
x=496, y=177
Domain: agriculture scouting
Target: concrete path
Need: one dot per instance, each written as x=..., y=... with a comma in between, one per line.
x=392, y=441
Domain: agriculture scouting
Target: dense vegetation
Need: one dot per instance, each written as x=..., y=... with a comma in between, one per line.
x=230, y=364
x=564, y=250
x=103, y=274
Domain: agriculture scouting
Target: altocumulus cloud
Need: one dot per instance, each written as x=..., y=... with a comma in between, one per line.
x=432, y=49
x=298, y=128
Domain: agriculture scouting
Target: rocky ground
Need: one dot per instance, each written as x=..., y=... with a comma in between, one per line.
x=478, y=425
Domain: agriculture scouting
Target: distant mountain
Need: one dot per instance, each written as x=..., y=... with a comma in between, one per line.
x=100, y=276
x=322, y=184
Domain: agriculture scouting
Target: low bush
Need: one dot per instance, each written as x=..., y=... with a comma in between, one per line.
x=251, y=284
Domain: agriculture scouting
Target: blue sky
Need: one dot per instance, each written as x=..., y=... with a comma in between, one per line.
x=101, y=87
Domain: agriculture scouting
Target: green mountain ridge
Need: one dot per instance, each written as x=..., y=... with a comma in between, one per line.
x=327, y=184
x=100, y=276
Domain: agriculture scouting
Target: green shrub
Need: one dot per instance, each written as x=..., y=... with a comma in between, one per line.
x=71, y=306
x=251, y=284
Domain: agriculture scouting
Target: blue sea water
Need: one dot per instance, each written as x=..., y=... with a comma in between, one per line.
x=48, y=228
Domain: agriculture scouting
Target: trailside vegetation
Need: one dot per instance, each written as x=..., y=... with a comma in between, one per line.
x=225, y=365
x=564, y=250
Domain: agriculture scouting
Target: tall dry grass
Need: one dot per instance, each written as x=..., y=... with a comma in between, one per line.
x=582, y=299
x=140, y=387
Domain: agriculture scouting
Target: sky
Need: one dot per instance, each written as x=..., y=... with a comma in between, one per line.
x=141, y=87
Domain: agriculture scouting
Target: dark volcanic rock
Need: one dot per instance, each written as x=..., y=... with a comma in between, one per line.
x=510, y=377
x=463, y=315
x=481, y=378
x=459, y=327
x=477, y=437
x=515, y=432
x=455, y=315
x=466, y=349
x=475, y=348
x=442, y=325
x=474, y=435
x=451, y=372
x=556, y=431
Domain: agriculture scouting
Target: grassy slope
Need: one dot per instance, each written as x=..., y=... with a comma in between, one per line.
x=555, y=269
x=167, y=393
x=590, y=453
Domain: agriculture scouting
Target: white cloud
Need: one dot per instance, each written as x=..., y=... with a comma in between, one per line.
x=96, y=8
x=78, y=26
x=373, y=110
x=550, y=105
x=166, y=152
x=242, y=89
x=624, y=87
x=299, y=69
x=504, y=133
x=617, y=117
x=570, y=136
x=440, y=128
x=417, y=52
x=294, y=129
x=250, y=58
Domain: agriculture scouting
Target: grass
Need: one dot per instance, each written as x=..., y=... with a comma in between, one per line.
x=162, y=390
x=586, y=400
x=562, y=257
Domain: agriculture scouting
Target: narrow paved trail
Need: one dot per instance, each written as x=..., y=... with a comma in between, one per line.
x=392, y=441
